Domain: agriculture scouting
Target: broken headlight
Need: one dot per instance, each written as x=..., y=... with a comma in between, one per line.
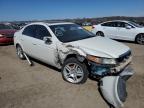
x=101, y=60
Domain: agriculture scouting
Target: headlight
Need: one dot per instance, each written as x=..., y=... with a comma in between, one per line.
x=109, y=61
x=101, y=60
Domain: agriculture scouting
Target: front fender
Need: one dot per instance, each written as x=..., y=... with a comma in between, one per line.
x=65, y=50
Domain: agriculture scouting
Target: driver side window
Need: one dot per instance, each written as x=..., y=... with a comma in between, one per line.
x=41, y=32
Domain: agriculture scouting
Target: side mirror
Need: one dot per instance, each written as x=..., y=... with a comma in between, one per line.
x=47, y=40
x=128, y=27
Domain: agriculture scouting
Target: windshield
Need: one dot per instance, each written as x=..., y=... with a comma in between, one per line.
x=3, y=26
x=135, y=24
x=70, y=32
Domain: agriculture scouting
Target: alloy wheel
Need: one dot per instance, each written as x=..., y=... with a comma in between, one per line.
x=73, y=73
x=140, y=39
x=20, y=52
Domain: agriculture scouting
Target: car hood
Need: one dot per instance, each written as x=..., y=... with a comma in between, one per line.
x=101, y=47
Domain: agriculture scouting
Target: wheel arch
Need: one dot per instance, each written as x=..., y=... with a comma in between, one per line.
x=100, y=32
x=17, y=44
x=80, y=58
x=138, y=35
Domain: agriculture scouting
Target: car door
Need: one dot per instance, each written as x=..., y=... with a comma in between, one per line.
x=125, y=31
x=27, y=39
x=110, y=29
x=45, y=52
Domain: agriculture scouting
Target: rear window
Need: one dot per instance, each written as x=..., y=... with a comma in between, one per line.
x=109, y=24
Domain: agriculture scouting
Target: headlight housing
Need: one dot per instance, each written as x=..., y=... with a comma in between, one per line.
x=101, y=60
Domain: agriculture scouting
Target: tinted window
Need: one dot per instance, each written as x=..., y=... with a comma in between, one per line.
x=110, y=24
x=41, y=32
x=126, y=24
x=30, y=31
x=135, y=24
x=121, y=24
x=106, y=24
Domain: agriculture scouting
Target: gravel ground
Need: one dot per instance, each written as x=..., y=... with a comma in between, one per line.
x=41, y=86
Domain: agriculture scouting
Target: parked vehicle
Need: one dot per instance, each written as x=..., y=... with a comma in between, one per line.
x=78, y=53
x=119, y=29
x=6, y=34
x=74, y=50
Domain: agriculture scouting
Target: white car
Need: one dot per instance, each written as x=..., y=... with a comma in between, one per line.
x=78, y=53
x=118, y=29
x=74, y=50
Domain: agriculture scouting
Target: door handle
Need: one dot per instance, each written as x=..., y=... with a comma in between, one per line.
x=34, y=44
x=21, y=39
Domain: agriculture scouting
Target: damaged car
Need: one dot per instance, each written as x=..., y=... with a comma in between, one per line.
x=74, y=50
x=79, y=54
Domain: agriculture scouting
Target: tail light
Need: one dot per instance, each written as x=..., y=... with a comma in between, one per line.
x=1, y=35
x=93, y=27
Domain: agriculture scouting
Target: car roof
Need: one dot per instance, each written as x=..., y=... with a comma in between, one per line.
x=115, y=21
x=51, y=23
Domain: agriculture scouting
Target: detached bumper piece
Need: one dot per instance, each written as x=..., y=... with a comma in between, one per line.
x=113, y=88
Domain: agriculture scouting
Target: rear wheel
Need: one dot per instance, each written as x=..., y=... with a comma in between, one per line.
x=140, y=39
x=100, y=34
x=74, y=72
x=19, y=52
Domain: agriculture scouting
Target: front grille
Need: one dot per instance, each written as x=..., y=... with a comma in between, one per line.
x=124, y=57
x=123, y=61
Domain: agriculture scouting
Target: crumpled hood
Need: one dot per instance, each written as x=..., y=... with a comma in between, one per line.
x=101, y=46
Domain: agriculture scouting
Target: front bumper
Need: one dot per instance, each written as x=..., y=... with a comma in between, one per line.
x=122, y=65
x=109, y=70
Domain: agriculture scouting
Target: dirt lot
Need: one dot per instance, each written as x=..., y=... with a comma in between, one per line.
x=42, y=86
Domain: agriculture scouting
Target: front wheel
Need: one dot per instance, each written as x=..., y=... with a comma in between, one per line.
x=74, y=72
x=140, y=39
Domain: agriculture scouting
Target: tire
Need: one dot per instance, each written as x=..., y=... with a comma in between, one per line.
x=74, y=71
x=19, y=52
x=100, y=34
x=140, y=39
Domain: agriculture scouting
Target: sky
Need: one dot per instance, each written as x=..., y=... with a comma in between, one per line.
x=19, y=10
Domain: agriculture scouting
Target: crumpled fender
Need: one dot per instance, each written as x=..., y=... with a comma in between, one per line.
x=64, y=50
